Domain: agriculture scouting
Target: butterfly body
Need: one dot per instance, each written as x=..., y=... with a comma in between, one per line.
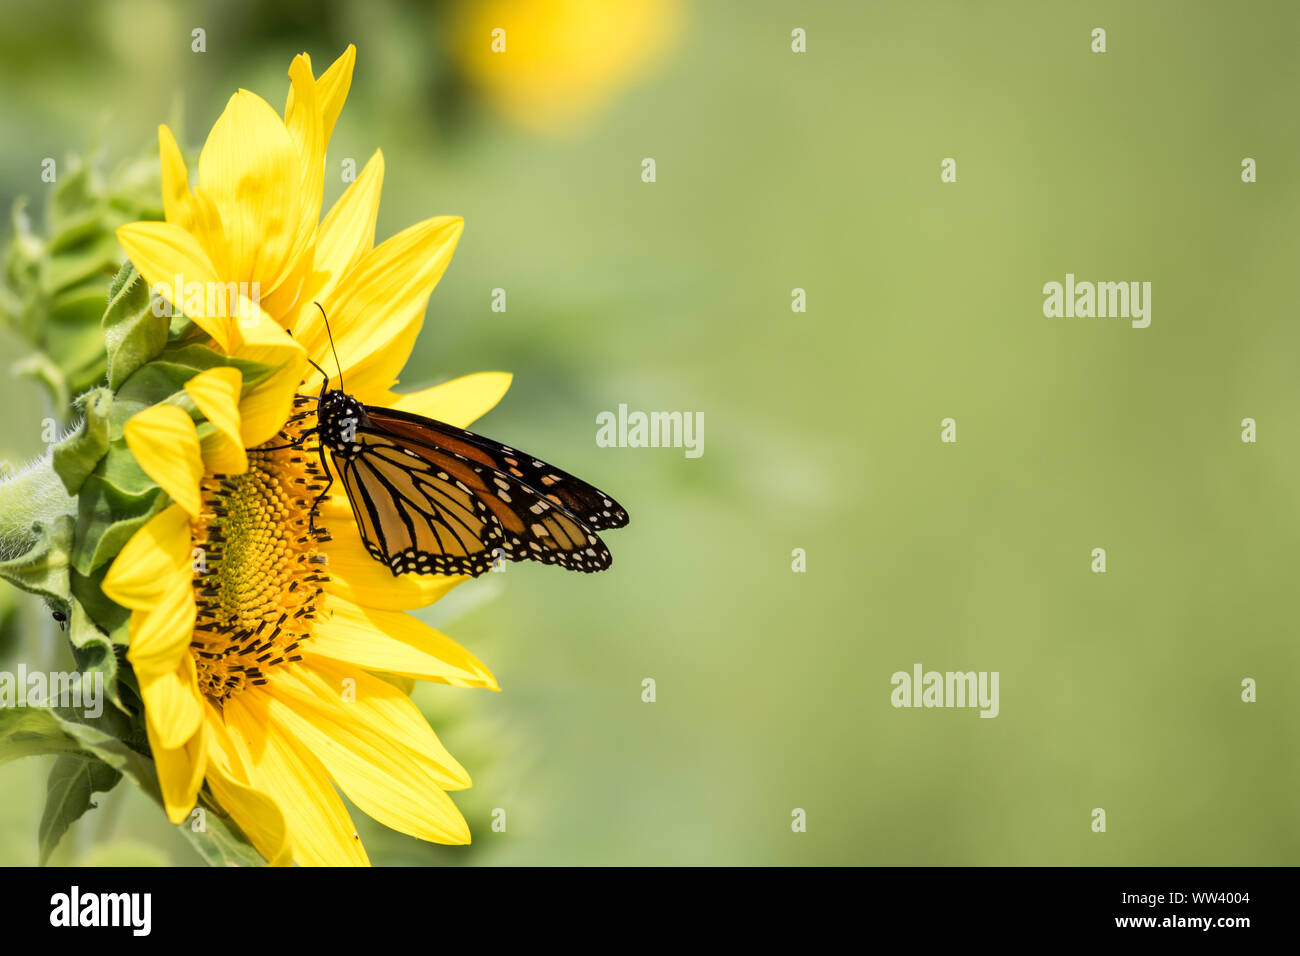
x=431, y=498
x=338, y=415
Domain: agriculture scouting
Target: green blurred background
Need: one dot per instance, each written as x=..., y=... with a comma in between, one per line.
x=819, y=170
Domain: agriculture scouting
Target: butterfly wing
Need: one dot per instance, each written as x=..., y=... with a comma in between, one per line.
x=415, y=516
x=433, y=499
x=595, y=509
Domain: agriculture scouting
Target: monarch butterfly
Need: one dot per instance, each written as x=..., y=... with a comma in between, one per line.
x=431, y=498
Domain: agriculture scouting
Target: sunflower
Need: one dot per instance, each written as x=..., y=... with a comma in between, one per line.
x=273, y=654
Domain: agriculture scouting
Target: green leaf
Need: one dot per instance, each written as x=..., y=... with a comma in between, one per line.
x=113, y=738
x=95, y=261
x=52, y=288
x=220, y=841
x=28, y=731
x=73, y=781
x=72, y=335
x=77, y=455
x=132, y=333
x=72, y=194
x=85, y=227
x=118, y=741
x=39, y=367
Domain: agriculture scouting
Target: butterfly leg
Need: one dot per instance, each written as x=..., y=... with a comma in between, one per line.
x=311, y=521
x=295, y=444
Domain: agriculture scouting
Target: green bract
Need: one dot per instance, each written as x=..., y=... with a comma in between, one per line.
x=64, y=518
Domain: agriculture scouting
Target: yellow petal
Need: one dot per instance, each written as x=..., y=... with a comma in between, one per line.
x=319, y=825
x=395, y=643
x=359, y=578
x=282, y=302
x=459, y=402
x=254, y=811
x=221, y=456
x=249, y=168
x=172, y=707
x=332, y=88
x=192, y=211
x=265, y=408
x=208, y=230
x=375, y=778
x=376, y=312
x=375, y=712
x=216, y=393
x=303, y=118
x=163, y=440
x=178, y=203
x=180, y=771
x=173, y=261
x=161, y=633
x=346, y=234
x=155, y=561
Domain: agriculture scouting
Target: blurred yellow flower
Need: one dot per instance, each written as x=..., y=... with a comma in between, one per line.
x=549, y=64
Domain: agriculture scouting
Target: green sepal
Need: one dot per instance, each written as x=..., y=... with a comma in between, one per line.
x=92, y=649
x=133, y=334
x=43, y=567
x=108, y=616
x=200, y=358
x=76, y=456
x=162, y=380
x=107, y=519
x=157, y=383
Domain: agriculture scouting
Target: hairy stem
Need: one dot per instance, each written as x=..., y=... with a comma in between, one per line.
x=33, y=494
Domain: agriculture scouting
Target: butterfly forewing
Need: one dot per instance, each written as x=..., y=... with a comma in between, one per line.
x=595, y=509
x=415, y=518
x=430, y=498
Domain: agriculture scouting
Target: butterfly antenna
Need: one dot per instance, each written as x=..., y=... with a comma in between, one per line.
x=332, y=348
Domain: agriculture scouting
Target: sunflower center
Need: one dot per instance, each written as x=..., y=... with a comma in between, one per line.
x=258, y=572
